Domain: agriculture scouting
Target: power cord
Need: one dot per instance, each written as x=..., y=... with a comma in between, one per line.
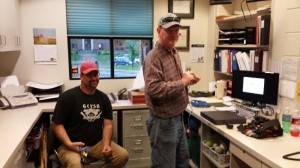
x=269, y=111
x=248, y=10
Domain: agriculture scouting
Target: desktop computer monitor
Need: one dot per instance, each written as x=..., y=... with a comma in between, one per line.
x=255, y=87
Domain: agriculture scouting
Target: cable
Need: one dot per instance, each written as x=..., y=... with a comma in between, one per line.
x=190, y=114
x=248, y=10
x=269, y=111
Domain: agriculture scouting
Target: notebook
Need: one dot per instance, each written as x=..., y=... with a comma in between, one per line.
x=223, y=117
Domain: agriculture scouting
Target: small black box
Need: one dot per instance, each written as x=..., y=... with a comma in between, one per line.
x=250, y=35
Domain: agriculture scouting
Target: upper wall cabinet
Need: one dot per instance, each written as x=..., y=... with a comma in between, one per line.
x=9, y=25
x=242, y=31
x=239, y=24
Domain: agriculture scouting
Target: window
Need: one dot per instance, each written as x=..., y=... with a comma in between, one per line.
x=116, y=34
x=116, y=58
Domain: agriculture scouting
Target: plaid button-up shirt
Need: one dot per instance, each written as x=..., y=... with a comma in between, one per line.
x=166, y=95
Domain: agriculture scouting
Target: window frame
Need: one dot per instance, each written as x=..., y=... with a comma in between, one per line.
x=112, y=53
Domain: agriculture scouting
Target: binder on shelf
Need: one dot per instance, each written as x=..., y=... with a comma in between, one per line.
x=224, y=62
x=216, y=61
x=234, y=61
x=265, y=61
x=252, y=56
x=229, y=62
x=265, y=29
x=220, y=60
x=240, y=62
x=258, y=59
x=258, y=22
x=246, y=61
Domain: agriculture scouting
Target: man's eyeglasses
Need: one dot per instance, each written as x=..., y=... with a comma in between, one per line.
x=92, y=74
x=170, y=19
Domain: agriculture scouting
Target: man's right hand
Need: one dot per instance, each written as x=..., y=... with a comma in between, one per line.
x=74, y=146
x=189, y=78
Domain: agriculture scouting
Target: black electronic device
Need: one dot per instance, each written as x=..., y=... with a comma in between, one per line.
x=256, y=87
x=223, y=117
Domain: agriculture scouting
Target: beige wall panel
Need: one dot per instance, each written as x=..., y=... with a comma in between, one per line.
x=292, y=20
x=293, y=4
x=291, y=46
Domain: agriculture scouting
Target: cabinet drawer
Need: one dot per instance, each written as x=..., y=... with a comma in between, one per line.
x=138, y=163
x=137, y=147
x=134, y=122
x=244, y=156
x=19, y=159
x=115, y=125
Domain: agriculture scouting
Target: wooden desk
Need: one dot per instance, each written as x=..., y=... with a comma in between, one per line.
x=269, y=151
x=16, y=124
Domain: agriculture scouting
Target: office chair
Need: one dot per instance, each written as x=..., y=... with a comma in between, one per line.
x=53, y=161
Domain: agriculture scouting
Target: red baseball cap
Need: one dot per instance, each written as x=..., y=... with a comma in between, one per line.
x=88, y=67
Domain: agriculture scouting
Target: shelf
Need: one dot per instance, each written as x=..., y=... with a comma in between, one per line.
x=243, y=46
x=240, y=17
x=231, y=18
x=237, y=46
x=227, y=74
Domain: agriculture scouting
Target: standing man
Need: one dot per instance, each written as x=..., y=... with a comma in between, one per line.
x=167, y=97
x=83, y=120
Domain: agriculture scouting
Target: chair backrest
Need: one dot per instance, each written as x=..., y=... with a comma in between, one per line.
x=52, y=144
x=52, y=141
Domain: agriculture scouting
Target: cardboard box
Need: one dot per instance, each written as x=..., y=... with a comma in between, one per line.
x=137, y=97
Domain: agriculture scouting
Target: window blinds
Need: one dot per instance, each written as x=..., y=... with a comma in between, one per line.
x=110, y=17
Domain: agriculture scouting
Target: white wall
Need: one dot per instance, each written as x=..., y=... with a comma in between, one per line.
x=52, y=14
x=286, y=37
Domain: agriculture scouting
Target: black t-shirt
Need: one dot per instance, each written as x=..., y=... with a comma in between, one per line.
x=82, y=115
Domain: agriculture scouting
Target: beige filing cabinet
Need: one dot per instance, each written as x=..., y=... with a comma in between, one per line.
x=115, y=125
x=135, y=138
x=19, y=158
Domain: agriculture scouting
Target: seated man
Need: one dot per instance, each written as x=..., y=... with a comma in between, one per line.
x=83, y=119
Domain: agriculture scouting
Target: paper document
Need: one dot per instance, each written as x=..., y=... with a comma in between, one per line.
x=138, y=83
x=9, y=81
x=43, y=86
x=47, y=96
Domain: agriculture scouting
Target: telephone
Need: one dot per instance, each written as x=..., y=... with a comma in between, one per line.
x=112, y=97
x=122, y=95
x=15, y=96
x=3, y=103
x=21, y=99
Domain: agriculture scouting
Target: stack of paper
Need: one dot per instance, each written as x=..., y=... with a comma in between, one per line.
x=45, y=91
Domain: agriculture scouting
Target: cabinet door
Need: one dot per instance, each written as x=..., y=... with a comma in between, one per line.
x=9, y=25
x=242, y=158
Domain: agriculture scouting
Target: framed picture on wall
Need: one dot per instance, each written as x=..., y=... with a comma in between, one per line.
x=182, y=8
x=184, y=38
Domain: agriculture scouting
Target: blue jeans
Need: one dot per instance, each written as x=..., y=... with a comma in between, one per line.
x=168, y=142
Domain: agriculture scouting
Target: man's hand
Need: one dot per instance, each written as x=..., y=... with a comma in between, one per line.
x=74, y=146
x=106, y=151
x=189, y=78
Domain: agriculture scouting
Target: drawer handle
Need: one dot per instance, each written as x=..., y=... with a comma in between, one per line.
x=138, y=118
x=137, y=126
x=138, y=142
x=137, y=150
